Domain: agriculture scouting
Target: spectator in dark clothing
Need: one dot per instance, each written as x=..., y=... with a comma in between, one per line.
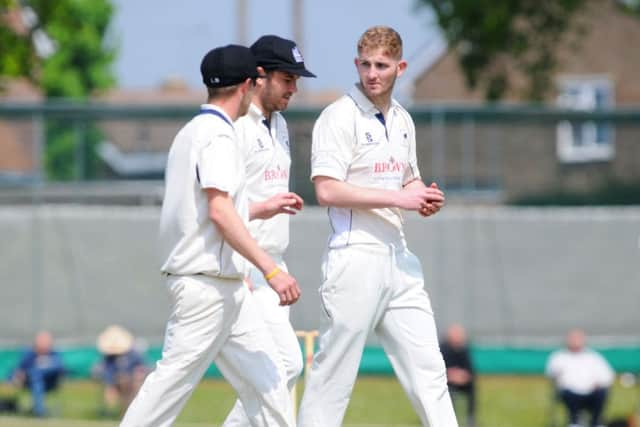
x=122, y=369
x=40, y=370
x=460, y=374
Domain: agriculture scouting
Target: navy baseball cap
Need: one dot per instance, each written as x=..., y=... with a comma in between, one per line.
x=228, y=65
x=276, y=53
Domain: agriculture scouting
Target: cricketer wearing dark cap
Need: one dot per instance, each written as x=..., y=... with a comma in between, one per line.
x=264, y=139
x=205, y=248
x=276, y=53
x=228, y=65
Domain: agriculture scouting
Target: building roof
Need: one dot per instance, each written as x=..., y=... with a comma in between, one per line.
x=596, y=46
x=419, y=63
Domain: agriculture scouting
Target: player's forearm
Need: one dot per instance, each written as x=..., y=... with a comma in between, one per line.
x=225, y=217
x=416, y=183
x=256, y=210
x=331, y=192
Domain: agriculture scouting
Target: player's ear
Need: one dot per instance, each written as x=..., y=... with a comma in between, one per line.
x=261, y=81
x=402, y=66
x=246, y=86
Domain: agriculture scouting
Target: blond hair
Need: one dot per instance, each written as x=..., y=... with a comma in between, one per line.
x=381, y=37
x=221, y=92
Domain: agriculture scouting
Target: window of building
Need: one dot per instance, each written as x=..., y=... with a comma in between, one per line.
x=585, y=141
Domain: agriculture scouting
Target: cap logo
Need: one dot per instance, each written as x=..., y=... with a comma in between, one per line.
x=296, y=54
x=214, y=80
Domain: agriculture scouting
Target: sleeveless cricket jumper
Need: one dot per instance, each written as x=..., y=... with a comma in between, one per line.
x=265, y=147
x=371, y=281
x=213, y=318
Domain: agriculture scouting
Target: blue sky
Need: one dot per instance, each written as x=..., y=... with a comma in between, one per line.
x=163, y=38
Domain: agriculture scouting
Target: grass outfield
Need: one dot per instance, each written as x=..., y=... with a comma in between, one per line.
x=503, y=401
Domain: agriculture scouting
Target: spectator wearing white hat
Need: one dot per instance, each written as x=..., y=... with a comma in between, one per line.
x=122, y=369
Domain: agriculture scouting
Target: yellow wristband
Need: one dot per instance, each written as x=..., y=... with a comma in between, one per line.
x=273, y=273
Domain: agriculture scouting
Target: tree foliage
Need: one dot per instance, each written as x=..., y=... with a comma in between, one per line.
x=632, y=6
x=488, y=34
x=78, y=66
x=81, y=61
x=82, y=64
x=16, y=57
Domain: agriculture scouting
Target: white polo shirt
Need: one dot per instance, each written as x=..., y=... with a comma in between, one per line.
x=354, y=144
x=204, y=154
x=579, y=372
x=268, y=161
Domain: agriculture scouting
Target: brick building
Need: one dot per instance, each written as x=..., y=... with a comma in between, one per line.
x=573, y=155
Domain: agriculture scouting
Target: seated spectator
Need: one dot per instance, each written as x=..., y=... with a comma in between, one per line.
x=582, y=378
x=40, y=370
x=122, y=369
x=460, y=374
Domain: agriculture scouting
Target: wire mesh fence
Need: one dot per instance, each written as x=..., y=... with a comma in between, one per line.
x=507, y=153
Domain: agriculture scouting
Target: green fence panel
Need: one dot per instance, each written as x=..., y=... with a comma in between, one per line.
x=487, y=360
x=499, y=360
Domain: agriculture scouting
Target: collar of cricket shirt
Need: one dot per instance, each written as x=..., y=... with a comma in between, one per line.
x=256, y=115
x=365, y=103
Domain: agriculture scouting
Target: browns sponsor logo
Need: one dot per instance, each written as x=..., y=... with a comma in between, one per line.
x=277, y=173
x=390, y=166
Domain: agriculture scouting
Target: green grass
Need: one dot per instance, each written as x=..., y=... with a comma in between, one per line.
x=504, y=401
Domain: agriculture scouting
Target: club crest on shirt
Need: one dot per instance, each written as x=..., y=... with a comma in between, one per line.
x=260, y=146
x=368, y=139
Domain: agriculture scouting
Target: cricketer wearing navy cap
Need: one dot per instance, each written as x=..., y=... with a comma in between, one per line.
x=275, y=53
x=264, y=139
x=205, y=245
x=228, y=66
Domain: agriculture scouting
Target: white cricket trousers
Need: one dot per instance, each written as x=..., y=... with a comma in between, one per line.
x=276, y=318
x=375, y=288
x=213, y=320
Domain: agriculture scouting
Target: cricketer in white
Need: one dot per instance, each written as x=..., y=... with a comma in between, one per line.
x=204, y=243
x=264, y=138
x=364, y=167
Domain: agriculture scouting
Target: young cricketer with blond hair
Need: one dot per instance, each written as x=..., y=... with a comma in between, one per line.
x=364, y=168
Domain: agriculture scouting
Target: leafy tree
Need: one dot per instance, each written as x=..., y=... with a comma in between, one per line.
x=78, y=65
x=632, y=6
x=490, y=34
x=16, y=58
x=81, y=60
